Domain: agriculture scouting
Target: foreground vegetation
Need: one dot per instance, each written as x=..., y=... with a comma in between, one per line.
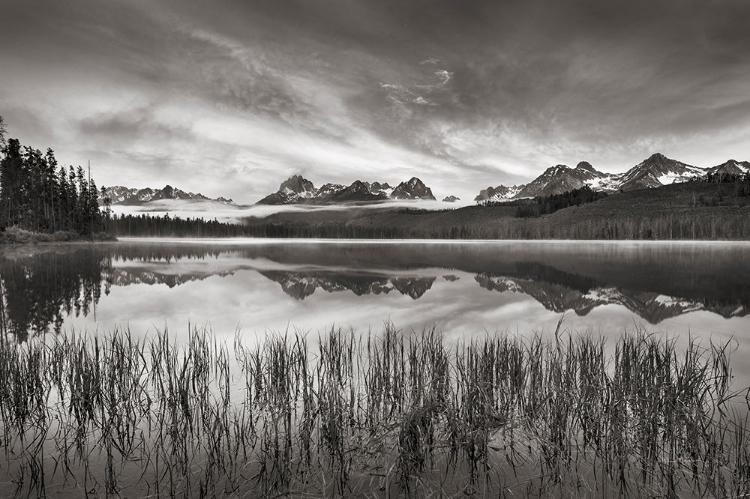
x=373, y=415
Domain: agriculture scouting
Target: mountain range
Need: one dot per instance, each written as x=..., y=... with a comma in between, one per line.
x=130, y=196
x=299, y=190
x=655, y=171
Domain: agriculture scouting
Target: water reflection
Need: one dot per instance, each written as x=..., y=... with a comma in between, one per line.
x=300, y=285
x=45, y=288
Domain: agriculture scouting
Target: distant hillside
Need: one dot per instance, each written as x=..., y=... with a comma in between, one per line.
x=655, y=171
x=299, y=190
x=129, y=196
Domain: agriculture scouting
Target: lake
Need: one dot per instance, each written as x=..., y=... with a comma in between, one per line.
x=465, y=288
x=497, y=402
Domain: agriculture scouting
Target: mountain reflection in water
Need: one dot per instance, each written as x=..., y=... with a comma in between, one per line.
x=657, y=282
x=300, y=285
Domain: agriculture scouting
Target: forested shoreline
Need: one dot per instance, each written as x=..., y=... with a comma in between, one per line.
x=661, y=228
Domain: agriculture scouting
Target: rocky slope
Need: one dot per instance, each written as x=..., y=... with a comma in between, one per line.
x=658, y=170
x=499, y=193
x=561, y=178
x=731, y=167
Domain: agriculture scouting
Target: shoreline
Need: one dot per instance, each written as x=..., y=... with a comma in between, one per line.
x=11, y=250
x=289, y=240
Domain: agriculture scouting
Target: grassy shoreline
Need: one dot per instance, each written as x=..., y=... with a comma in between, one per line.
x=374, y=415
x=17, y=236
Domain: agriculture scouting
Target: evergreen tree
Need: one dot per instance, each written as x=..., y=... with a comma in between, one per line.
x=3, y=131
x=50, y=177
x=11, y=179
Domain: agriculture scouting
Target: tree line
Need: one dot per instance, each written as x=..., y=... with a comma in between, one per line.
x=664, y=227
x=38, y=194
x=544, y=205
x=171, y=226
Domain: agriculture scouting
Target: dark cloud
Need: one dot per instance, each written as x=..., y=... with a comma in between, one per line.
x=132, y=125
x=471, y=88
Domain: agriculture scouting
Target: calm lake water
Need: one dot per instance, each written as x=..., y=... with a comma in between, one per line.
x=249, y=288
x=466, y=289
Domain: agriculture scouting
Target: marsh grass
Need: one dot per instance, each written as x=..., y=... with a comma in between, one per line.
x=383, y=415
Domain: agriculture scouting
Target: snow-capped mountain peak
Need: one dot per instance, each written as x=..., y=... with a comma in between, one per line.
x=561, y=178
x=658, y=170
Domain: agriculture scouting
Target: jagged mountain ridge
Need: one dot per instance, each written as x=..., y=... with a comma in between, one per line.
x=654, y=171
x=119, y=194
x=299, y=190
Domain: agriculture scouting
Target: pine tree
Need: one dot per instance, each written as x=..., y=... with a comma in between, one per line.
x=107, y=207
x=11, y=178
x=62, y=199
x=52, y=187
x=93, y=213
x=3, y=131
x=72, y=199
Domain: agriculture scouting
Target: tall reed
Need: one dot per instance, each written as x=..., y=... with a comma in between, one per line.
x=348, y=414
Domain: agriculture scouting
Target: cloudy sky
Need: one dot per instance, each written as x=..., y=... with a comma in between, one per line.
x=231, y=97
